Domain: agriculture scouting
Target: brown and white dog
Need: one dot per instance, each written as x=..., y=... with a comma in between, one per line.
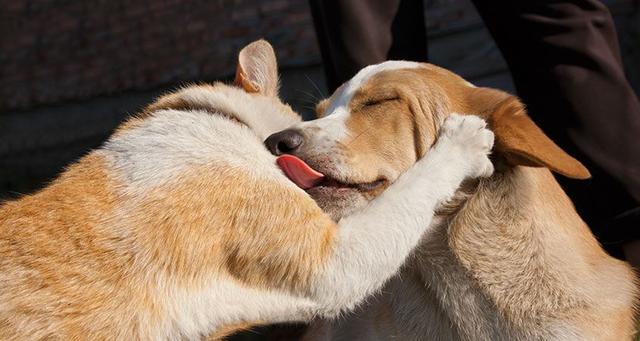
x=182, y=225
x=507, y=259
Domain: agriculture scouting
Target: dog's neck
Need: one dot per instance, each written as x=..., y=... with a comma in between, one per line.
x=499, y=261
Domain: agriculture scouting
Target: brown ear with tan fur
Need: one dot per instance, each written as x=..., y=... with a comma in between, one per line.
x=522, y=142
x=257, y=70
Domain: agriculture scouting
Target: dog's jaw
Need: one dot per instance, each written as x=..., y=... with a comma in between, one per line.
x=337, y=203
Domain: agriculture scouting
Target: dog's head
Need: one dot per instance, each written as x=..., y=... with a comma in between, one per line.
x=386, y=117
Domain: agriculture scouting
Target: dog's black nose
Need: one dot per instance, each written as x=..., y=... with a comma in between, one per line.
x=284, y=142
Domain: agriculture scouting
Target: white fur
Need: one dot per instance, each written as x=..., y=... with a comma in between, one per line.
x=168, y=143
x=192, y=314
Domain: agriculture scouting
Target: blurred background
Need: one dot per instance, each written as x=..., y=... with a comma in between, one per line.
x=71, y=71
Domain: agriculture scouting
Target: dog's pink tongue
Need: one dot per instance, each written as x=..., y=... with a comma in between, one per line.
x=298, y=171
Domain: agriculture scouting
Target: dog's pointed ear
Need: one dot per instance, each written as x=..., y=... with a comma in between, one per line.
x=257, y=69
x=522, y=142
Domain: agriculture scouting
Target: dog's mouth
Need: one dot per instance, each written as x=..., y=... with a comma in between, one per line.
x=307, y=178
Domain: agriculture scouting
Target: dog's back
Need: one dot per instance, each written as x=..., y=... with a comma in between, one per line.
x=40, y=249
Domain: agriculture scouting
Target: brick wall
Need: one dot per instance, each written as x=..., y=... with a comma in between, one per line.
x=72, y=70
x=56, y=50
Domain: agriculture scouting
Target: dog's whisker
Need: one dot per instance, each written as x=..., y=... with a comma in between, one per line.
x=357, y=137
x=320, y=93
x=313, y=98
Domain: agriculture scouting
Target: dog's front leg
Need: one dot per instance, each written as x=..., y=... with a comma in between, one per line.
x=373, y=243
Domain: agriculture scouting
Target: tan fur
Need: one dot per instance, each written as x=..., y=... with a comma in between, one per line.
x=523, y=143
x=374, y=118
x=536, y=260
x=511, y=258
x=41, y=239
x=262, y=249
x=225, y=332
x=93, y=256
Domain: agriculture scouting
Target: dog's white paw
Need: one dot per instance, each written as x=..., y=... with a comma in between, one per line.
x=468, y=135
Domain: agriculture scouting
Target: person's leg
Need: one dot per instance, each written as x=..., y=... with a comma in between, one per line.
x=355, y=33
x=565, y=62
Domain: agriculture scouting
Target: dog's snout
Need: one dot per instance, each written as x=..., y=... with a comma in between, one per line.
x=284, y=142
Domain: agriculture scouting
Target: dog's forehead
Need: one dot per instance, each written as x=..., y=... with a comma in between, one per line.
x=340, y=100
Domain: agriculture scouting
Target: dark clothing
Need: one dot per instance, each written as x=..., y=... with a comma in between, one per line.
x=356, y=33
x=565, y=63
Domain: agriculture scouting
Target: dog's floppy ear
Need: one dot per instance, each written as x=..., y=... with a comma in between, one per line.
x=257, y=69
x=522, y=142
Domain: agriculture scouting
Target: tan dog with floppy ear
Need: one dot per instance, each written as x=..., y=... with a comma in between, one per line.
x=507, y=259
x=182, y=225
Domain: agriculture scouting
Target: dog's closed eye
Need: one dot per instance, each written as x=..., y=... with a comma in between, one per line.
x=378, y=101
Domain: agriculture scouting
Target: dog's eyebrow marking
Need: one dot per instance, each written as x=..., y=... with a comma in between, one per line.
x=347, y=90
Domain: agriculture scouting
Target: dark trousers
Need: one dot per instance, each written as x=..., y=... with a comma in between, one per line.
x=565, y=63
